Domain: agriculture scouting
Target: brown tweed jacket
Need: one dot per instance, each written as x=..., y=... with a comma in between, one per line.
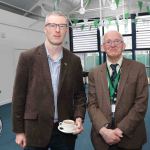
x=131, y=104
x=33, y=103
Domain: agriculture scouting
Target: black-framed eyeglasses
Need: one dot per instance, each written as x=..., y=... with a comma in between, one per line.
x=54, y=26
x=115, y=42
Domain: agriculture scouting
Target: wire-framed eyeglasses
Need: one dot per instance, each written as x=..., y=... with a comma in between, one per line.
x=54, y=26
x=115, y=42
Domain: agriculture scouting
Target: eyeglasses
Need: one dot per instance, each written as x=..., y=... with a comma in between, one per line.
x=54, y=26
x=115, y=42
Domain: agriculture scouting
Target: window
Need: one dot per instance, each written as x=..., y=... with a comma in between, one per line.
x=136, y=34
x=142, y=51
x=89, y=60
x=143, y=32
x=128, y=42
x=124, y=26
x=127, y=54
x=143, y=56
x=85, y=38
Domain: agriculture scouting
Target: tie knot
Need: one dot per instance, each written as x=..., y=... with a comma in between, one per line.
x=113, y=66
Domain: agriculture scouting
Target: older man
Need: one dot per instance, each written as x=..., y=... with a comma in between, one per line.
x=117, y=99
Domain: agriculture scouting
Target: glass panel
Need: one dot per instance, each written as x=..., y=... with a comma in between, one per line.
x=144, y=57
x=128, y=42
x=124, y=26
x=89, y=60
x=143, y=32
x=127, y=54
x=84, y=37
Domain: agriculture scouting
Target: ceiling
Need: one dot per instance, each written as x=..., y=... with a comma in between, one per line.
x=93, y=8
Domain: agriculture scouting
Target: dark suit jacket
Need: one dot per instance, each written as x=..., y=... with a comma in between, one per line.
x=33, y=102
x=131, y=104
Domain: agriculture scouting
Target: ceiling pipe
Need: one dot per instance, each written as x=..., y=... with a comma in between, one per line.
x=23, y=10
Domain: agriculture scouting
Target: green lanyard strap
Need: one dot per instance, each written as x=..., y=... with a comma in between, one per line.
x=113, y=85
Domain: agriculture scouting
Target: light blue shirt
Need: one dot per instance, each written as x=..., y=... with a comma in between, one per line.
x=54, y=67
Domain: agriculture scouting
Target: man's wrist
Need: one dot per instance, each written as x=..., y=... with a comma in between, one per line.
x=102, y=130
x=79, y=119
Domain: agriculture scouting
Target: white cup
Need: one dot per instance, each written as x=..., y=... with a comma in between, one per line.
x=68, y=125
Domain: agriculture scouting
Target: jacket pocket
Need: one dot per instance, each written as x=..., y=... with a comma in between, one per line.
x=30, y=115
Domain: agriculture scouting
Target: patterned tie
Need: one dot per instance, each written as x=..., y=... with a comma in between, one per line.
x=114, y=72
x=112, y=78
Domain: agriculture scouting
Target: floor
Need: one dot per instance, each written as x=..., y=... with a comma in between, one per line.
x=7, y=138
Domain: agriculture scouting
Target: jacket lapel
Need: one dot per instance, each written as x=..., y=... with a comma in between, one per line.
x=103, y=81
x=63, y=69
x=44, y=67
x=124, y=74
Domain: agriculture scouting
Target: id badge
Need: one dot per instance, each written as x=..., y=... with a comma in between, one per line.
x=113, y=108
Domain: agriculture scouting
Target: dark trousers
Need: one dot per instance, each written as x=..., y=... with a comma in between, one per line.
x=59, y=141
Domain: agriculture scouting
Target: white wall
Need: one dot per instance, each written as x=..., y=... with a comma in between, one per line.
x=16, y=33
x=6, y=73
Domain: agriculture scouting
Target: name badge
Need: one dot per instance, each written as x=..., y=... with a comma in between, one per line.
x=113, y=108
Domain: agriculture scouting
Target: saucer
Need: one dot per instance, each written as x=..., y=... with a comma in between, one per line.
x=60, y=128
x=1, y=126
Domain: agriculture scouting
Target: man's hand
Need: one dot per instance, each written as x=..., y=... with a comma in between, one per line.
x=79, y=126
x=118, y=132
x=21, y=139
x=111, y=136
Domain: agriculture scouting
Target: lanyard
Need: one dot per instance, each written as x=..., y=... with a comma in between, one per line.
x=113, y=86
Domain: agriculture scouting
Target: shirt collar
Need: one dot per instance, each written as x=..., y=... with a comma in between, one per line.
x=58, y=59
x=119, y=62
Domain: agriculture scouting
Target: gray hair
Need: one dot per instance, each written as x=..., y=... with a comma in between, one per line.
x=56, y=13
